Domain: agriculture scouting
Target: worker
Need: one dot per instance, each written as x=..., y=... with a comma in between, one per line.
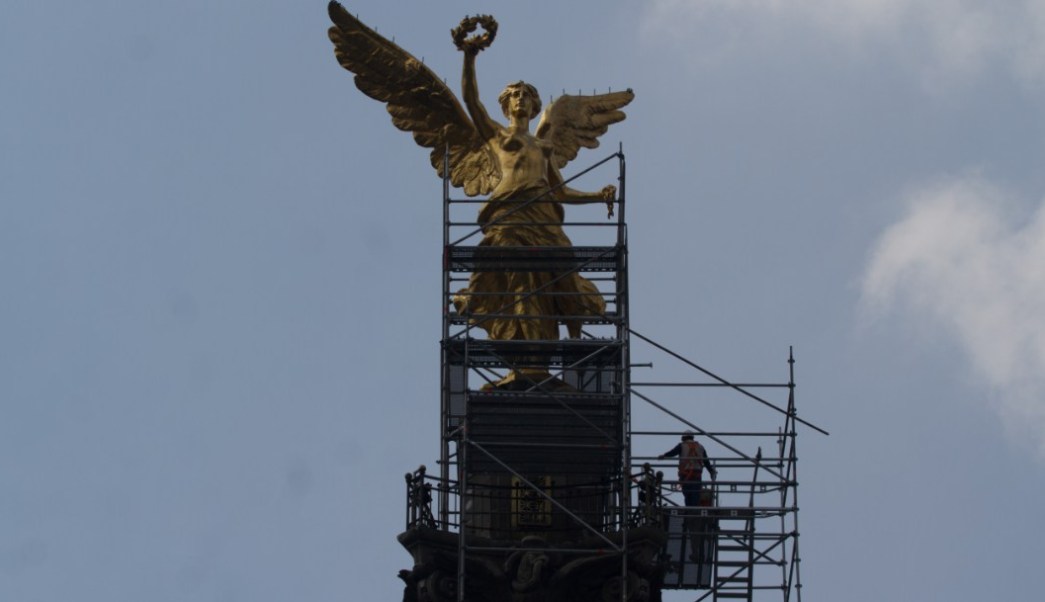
x=692, y=460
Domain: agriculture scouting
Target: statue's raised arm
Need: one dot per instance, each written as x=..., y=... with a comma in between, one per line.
x=418, y=101
x=471, y=47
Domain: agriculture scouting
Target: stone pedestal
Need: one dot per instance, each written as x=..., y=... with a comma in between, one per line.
x=534, y=570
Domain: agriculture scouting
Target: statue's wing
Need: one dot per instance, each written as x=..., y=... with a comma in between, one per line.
x=571, y=122
x=418, y=101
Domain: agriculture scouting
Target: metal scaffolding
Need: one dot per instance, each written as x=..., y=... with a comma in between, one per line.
x=539, y=457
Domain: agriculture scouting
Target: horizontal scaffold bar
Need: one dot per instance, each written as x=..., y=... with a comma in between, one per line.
x=533, y=259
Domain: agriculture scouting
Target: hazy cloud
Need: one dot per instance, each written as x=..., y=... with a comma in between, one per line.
x=960, y=258
x=946, y=40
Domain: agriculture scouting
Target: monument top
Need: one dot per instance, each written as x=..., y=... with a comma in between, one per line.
x=485, y=157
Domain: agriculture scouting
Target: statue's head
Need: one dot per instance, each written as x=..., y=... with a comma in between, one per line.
x=520, y=88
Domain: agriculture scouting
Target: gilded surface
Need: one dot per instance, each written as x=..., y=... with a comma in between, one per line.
x=485, y=157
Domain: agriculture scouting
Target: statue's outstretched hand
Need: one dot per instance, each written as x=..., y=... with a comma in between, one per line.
x=609, y=194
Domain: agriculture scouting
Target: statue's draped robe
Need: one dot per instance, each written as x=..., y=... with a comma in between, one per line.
x=507, y=220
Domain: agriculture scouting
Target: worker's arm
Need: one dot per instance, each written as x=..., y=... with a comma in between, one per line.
x=672, y=453
x=710, y=466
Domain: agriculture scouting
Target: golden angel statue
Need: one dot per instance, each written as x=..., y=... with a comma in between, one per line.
x=484, y=157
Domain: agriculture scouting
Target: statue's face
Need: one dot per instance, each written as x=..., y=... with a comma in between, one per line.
x=520, y=102
x=520, y=99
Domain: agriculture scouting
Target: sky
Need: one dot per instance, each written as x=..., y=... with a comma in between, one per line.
x=220, y=275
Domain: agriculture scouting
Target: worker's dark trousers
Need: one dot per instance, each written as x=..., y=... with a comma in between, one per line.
x=691, y=492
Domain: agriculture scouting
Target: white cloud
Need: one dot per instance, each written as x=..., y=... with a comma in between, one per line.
x=946, y=40
x=960, y=259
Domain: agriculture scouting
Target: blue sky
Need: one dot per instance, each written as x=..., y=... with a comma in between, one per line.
x=220, y=267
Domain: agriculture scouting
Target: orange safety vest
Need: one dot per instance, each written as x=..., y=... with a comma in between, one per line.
x=691, y=461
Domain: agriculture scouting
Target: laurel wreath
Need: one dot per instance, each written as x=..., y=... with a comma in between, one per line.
x=471, y=25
